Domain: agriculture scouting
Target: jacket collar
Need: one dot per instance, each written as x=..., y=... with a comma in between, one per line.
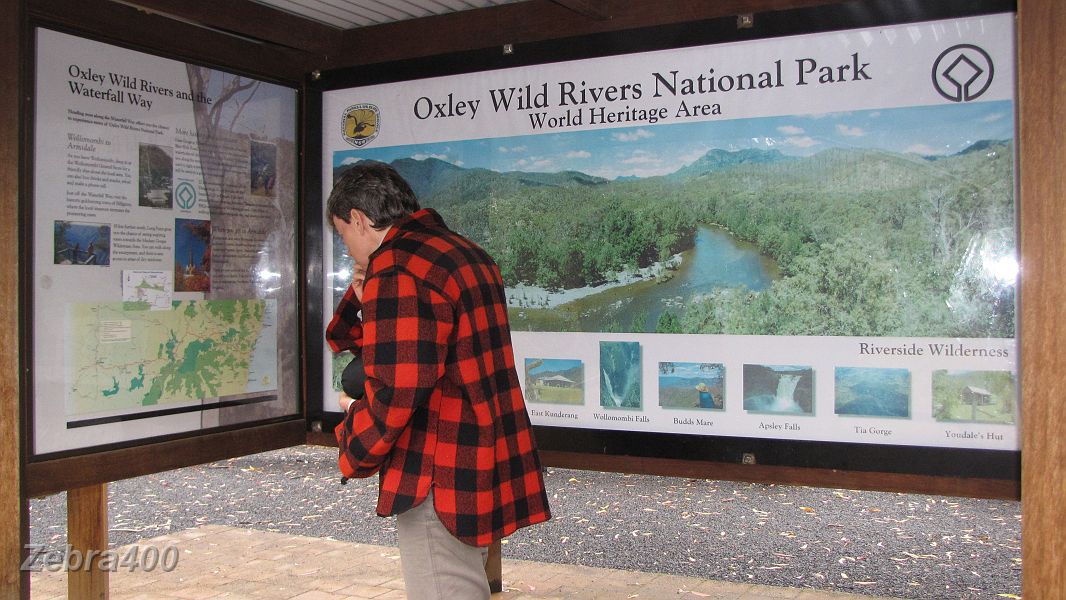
x=425, y=218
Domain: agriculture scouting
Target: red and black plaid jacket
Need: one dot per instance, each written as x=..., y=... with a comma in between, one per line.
x=443, y=406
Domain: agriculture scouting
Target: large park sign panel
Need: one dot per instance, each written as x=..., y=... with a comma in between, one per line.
x=805, y=238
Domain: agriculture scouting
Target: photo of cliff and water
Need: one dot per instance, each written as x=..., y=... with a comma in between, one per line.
x=620, y=380
x=870, y=392
x=896, y=222
x=779, y=389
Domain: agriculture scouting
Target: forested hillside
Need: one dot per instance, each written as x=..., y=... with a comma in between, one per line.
x=868, y=242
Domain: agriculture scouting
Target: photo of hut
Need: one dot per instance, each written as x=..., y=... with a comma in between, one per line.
x=975, y=396
x=555, y=381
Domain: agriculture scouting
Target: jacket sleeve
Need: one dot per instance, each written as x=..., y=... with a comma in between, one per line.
x=406, y=331
x=345, y=330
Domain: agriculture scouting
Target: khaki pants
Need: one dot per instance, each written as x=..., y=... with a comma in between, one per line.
x=436, y=565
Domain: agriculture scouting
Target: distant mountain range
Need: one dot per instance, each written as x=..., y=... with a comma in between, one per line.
x=720, y=160
x=978, y=146
x=432, y=177
x=435, y=178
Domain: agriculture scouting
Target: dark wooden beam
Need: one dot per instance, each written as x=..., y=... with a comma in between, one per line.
x=252, y=20
x=125, y=25
x=51, y=476
x=831, y=478
x=531, y=21
x=825, y=478
x=585, y=9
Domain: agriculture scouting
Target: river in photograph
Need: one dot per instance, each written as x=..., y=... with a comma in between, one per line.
x=717, y=260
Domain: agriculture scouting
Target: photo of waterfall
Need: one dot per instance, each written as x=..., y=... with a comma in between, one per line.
x=620, y=375
x=873, y=392
x=783, y=389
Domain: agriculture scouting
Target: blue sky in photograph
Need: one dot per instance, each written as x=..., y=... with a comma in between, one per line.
x=651, y=150
x=692, y=370
x=551, y=365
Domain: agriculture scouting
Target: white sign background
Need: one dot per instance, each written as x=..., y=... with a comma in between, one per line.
x=862, y=69
x=97, y=106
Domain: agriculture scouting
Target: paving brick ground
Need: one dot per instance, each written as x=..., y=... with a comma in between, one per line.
x=218, y=562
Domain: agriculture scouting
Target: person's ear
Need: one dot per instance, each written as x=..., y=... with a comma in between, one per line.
x=353, y=217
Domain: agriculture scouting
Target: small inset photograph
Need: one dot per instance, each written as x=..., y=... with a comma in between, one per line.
x=975, y=396
x=692, y=385
x=82, y=243
x=779, y=389
x=620, y=375
x=555, y=381
x=192, y=255
x=155, y=176
x=262, y=174
x=871, y=392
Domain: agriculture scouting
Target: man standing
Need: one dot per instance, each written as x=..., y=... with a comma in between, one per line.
x=442, y=419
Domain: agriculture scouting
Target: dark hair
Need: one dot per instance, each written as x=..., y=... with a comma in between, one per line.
x=376, y=190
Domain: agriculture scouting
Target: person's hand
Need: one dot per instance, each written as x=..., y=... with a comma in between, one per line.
x=358, y=278
x=345, y=402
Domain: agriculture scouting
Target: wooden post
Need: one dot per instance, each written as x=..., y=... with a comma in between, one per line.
x=1042, y=298
x=494, y=567
x=14, y=528
x=87, y=537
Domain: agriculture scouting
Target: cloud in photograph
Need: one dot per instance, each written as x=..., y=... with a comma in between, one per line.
x=632, y=136
x=444, y=157
x=641, y=157
x=843, y=129
x=506, y=150
x=790, y=130
x=578, y=154
x=536, y=163
x=829, y=115
x=804, y=141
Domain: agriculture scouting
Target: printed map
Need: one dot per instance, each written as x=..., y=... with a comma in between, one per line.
x=147, y=289
x=123, y=358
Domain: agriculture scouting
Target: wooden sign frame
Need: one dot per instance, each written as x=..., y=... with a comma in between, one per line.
x=1042, y=151
x=100, y=463
x=973, y=472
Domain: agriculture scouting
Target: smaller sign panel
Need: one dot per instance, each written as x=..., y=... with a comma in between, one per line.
x=163, y=248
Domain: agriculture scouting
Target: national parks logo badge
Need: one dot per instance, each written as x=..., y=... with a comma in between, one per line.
x=360, y=124
x=963, y=72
